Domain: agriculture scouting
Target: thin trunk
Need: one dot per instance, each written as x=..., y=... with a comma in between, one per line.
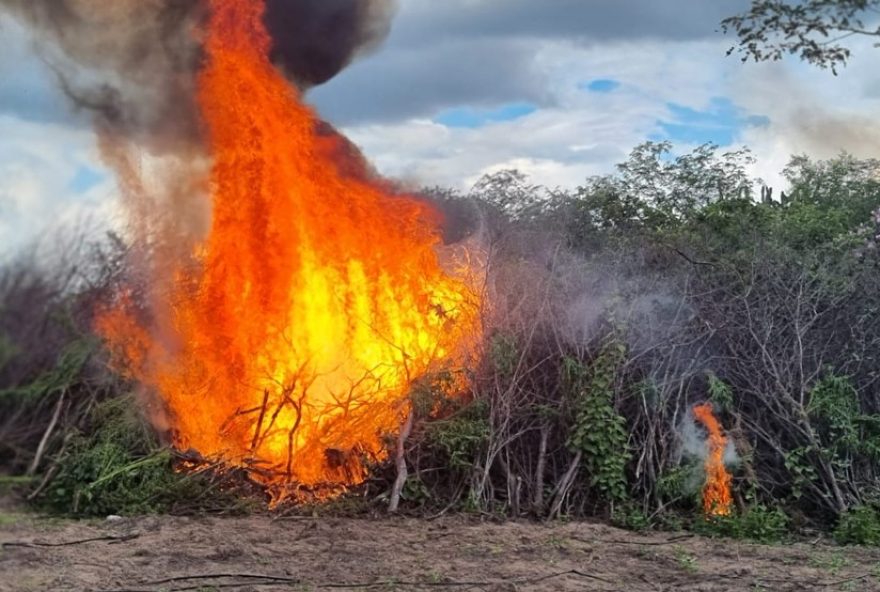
x=538, y=500
x=41, y=449
x=401, y=464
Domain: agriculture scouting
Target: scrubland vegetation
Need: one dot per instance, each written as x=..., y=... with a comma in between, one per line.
x=614, y=308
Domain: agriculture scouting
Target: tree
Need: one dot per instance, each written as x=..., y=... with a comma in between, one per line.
x=810, y=29
x=655, y=188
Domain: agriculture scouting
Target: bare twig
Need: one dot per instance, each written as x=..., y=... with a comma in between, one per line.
x=109, y=539
x=267, y=580
x=670, y=541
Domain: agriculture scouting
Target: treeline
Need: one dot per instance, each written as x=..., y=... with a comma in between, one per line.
x=613, y=310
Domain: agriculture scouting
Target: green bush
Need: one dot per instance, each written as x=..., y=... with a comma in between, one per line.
x=859, y=526
x=120, y=468
x=630, y=517
x=759, y=523
x=461, y=436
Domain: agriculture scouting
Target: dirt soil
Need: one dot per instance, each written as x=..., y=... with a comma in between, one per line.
x=262, y=554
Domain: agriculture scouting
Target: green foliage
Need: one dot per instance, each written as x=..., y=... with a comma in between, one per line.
x=800, y=469
x=809, y=29
x=119, y=468
x=758, y=523
x=731, y=228
x=682, y=482
x=461, y=436
x=720, y=393
x=631, y=517
x=843, y=429
x=687, y=561
x=859, y=526
x=654, y=190
x=599, y=432
x=510, y=192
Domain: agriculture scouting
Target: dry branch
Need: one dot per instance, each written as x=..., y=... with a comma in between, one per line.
x=268, y=580
x=109, y=539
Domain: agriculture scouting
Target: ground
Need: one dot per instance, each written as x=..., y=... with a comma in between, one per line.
x=265, y=553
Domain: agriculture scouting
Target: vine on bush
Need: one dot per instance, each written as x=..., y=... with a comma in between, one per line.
x=599, y=432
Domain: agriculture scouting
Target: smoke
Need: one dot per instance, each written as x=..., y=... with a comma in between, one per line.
x=133, y=62
x=132, y=66
x=825, y=133
x=129, y=62
x=316, y=39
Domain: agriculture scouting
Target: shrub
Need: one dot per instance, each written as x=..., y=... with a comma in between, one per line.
x=758, y=523
x=118, y=467
x=859, y=526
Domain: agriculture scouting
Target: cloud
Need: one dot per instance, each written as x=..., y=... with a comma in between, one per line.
x=397, y=84
x=574, y=134
x=50, y=180
x=482, y=52
x=423, y=22
x=811, y=111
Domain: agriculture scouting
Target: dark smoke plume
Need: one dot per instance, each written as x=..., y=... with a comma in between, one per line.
x=132, y=62
x=316, y=39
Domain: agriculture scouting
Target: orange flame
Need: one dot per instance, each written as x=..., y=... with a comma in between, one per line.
x=319, y=295
x=717, y=498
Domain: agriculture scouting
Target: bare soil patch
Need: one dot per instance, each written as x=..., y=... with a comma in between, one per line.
x=260, y=554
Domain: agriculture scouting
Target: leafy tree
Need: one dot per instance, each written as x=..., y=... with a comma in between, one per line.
x=654, y=189
x=810, y=29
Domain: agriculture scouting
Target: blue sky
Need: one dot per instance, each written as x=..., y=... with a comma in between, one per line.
x=474, y=118
x=722, y=123
x=561, y=89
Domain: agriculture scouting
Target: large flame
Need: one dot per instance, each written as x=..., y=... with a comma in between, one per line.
x=317, y=298
x=717, y=498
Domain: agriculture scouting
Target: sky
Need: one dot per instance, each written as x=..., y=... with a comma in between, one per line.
x=559, y=89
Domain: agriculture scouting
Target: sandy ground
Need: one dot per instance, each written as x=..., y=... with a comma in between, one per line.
x=259, y=553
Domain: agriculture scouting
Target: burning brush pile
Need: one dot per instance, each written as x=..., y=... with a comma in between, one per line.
x=281, y=298
x=289, y=339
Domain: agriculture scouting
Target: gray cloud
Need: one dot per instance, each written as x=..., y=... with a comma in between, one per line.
x=414, y=82
x=455, y=52
x=587, y=20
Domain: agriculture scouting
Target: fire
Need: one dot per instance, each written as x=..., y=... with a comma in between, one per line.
x=717, y=498
x=316, y=299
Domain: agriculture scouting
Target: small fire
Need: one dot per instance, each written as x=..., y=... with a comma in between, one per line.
x=717, y=498
x=315, y=301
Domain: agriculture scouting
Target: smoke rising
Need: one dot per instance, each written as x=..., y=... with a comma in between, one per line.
x=129, y=62
x=316, y=39
x=133, y=62
x=132, y=66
